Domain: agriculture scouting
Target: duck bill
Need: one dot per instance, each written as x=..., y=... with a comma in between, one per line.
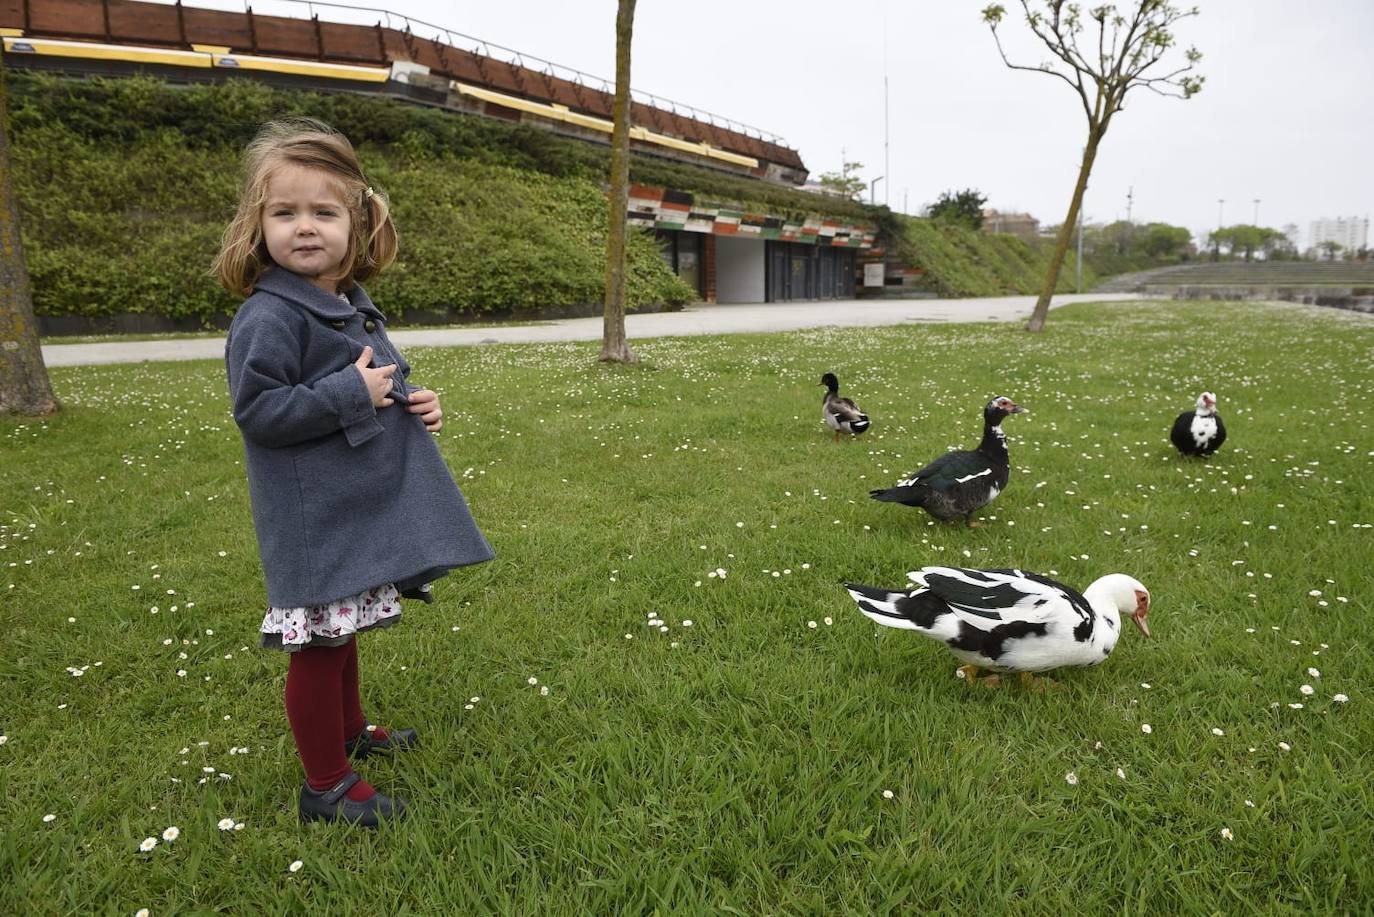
x=1140, y=623
x=1017, y=409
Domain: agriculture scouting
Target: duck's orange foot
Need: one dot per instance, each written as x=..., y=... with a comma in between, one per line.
x=1039, y=684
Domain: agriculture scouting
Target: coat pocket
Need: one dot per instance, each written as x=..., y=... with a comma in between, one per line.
x=341, y=488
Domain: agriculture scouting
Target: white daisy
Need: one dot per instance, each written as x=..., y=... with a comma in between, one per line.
x=148, y=844
x=1071, y=778
x=295, y=866
x=226, y=824
x=1226, y=833
x=171, y=833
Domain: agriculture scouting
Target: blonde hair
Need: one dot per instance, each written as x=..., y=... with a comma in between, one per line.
x=306, y=142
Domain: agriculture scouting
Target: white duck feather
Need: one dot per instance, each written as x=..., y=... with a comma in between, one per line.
x=1009, y=620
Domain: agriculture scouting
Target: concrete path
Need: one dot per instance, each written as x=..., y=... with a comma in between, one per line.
x=695, y=320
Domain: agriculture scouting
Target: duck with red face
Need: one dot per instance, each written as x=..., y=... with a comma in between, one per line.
x=1199, y=431
x=962, y=482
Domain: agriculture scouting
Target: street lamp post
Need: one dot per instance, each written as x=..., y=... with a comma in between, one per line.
x=872, y=185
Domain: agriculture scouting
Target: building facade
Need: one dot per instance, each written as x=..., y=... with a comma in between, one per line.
x=1350, y=233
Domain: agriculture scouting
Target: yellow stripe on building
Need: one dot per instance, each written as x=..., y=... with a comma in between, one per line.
x=202, y=56
x=557, y=112
x=91, y=51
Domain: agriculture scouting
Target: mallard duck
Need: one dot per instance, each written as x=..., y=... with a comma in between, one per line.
x=1009, y=620
x=962, y=482
x=840, y=414
x=1200, y=431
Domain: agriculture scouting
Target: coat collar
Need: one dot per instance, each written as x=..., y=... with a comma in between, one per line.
x=296, y=289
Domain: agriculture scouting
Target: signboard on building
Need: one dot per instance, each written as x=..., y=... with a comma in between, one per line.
x=873, y=274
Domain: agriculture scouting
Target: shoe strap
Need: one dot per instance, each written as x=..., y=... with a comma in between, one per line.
x=336, y=792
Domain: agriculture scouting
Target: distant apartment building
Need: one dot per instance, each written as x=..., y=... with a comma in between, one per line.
x=1350, y=233
x=1016, y=224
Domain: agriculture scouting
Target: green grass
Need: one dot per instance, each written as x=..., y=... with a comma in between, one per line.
x=739, y=764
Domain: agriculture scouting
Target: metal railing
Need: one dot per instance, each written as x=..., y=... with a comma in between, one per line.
x=489, y=49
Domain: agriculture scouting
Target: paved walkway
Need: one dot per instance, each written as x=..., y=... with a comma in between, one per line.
x=695, y=320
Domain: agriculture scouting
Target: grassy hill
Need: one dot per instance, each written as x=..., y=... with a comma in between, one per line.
x=966, y=262
x=125, y=186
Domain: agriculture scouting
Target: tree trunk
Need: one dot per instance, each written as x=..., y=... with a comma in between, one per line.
x=614, y=347
x=1061, y=244
x=24, y=387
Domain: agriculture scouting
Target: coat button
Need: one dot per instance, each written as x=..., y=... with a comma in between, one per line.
x=338, y=325
x=369, y=326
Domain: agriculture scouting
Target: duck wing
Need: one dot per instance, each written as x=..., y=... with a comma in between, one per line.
x=844, y=410
x=950, y=470
x=986, y=599
x=1221, y=434
x=1181, y=435
x=842, y=414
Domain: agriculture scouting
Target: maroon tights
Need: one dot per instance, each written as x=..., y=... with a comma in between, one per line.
x=324, y=709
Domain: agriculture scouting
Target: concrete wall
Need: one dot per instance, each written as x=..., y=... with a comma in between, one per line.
x=739, y=270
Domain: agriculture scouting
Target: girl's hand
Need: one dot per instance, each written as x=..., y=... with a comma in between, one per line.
x=426, y=404
x=378, y=379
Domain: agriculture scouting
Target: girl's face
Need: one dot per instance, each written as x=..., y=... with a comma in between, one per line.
x=305, y=224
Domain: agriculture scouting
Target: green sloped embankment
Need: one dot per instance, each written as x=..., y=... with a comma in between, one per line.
x=964, y=262
x=125, y=186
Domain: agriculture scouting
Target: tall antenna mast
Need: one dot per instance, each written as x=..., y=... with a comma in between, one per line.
x=1130, y=196
x=887, y=166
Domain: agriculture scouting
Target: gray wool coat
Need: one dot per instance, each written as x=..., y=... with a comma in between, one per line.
x=345, y=496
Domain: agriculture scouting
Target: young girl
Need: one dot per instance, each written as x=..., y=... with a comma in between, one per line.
x=352, y=502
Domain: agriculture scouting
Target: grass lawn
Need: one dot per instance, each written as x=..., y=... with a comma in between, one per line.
x=781, y=754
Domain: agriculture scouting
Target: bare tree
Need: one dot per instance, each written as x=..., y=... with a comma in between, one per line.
x=24, y=387
x=614, y=347
x=1128, y=47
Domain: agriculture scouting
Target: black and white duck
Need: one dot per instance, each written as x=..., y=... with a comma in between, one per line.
x=1009, y=620
x=1199, y=431
x=962, y=482
x=839, y=413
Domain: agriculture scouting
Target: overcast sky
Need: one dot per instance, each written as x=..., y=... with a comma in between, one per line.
x=1286, y=115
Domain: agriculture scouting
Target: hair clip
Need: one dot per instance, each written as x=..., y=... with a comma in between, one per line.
x=368, y=193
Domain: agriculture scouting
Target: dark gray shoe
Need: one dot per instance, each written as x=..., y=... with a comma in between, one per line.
x=333, y=804
x=363, y=744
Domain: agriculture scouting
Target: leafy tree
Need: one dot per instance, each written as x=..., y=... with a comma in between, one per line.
x=1127, y=49
x=24, y=387
x=614, y=347
x=1245, y=238
x=963, y=208
x=846, y=182
x=1162, y=242
x=1331, y=248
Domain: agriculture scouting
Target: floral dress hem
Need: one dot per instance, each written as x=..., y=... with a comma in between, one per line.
x=331, y=624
